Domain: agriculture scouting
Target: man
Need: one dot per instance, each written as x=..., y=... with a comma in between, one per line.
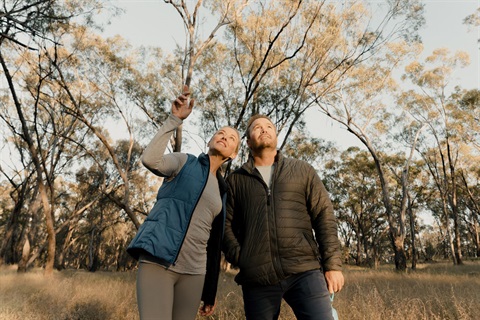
x=281, y=231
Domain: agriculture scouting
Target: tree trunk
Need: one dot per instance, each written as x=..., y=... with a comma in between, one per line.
x=400, y=255
x=359, y=251
x=6, y=247
x=397, y=235
x=412, y=232
x=23, y=263
x=446, y=224
x=94, y=248
x=458, y=240
x=66, y=245
x=367, y=253
x=51, y=237
x=477, y=236
x=453, y=204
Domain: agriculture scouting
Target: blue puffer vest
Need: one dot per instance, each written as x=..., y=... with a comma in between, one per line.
x=163, y=232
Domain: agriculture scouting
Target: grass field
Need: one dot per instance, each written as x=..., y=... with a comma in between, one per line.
x=434, y=291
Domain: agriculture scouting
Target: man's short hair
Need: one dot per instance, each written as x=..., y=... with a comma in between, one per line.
x=252, y=119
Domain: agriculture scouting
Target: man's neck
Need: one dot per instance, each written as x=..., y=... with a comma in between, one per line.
x=264, y=157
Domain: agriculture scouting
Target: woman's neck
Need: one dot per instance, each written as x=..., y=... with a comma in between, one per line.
x=216, y=162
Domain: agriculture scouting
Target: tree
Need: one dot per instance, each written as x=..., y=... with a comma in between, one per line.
x=353, y=183
x=288, y=56
x=20, y=193
x=29, y=26
x=29, y=23
x=304, y=55
x=446, y=125
x=195, y=47
x=359, y=105
x=30, y=18
x=473, y=20
x=94, y=88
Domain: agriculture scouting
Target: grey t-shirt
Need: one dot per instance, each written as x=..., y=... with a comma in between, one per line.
x=192, y=258
x=266, y=172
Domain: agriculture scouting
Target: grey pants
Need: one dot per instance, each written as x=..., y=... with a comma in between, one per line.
x=167, y=295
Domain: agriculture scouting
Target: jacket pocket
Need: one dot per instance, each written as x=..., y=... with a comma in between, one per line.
x=313, y=244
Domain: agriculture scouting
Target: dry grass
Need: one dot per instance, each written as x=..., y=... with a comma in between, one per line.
x=69, y=295
x=436, y=291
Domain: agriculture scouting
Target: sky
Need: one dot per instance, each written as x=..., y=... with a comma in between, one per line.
x=155, y=23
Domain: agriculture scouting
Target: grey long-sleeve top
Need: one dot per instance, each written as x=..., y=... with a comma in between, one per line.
x=192, y=257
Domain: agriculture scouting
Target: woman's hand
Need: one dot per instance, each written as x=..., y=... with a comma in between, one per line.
x=207, y=310
x=182, y=107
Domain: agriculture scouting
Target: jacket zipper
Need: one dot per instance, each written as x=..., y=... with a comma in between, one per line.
x=269, y=193
x=271, y=215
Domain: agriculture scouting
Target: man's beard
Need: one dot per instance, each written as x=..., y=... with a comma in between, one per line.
x=264, y=144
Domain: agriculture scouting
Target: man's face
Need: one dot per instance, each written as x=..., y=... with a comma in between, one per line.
x=262, y=135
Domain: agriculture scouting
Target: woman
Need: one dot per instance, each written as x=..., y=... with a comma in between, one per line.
x=178, y=245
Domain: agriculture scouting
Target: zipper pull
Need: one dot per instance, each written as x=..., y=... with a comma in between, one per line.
x=268, y=196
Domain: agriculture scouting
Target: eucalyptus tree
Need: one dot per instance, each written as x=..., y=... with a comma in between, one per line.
x=56, y=138
x=353, y=184
x=277, y=52
x=44, y=129
x=26, y=31
x=360, y=102
x=469, y=106
x=194, y=46
x=282, y=58
x=473, y=20
x=468, y=109
x=28, y=22
x=18, y=193
x=244, y=75
x=23, y=131
x=96, y=75
x=448, y=129
x=469, y=204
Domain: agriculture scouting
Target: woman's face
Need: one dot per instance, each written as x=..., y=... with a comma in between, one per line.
x=225, y=142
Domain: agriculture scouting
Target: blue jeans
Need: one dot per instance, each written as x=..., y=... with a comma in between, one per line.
x=306, y=293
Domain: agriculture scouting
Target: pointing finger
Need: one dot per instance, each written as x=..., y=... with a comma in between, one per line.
x=186, y=90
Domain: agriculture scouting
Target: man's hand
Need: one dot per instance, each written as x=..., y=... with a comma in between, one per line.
x=335, y=281
x=207, y=310
x=181, y=107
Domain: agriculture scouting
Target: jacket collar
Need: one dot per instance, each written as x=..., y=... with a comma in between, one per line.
x=249, y=166
x=204, y=159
